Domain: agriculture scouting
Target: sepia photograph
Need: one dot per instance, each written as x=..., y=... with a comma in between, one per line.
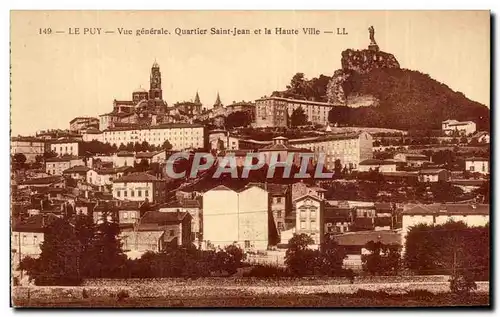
x=215, y=159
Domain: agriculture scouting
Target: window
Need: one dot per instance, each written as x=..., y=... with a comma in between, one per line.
x=35, y=239
x=117, y=193
x=125, y=193
x=171, y=233
x=471, y=168
x=278, y=214
x=302, y=225
x=278, y=200
x=313, y=214
x=313, y=224
x=146, y=193
x=125, y=215
x=247, y=244
x=132, y=193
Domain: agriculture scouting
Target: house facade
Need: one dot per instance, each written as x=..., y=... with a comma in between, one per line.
x=309, y=218
x=244, y=215
x=477, y=165
x=139, y=187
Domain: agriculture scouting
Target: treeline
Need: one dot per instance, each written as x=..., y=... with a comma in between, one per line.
x=450, y=248
x=96, y=147
x=77, y=249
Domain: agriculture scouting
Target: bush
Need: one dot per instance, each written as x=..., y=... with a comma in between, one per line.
x=420, y=294
x=462, y=284
x=267, y=271
x=122, y=294
x=364, y=293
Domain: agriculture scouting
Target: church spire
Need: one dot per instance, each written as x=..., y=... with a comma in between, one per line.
x=217, y=103
x=197, y=98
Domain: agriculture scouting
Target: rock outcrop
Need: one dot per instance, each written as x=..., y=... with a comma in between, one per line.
x=356, y=61
x=363, y=61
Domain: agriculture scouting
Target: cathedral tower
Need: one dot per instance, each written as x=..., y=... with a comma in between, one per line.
x=155, y=91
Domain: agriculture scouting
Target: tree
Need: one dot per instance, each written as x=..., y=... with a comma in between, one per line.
x=332, y=257
x=448, y=248
x=462, y=283
x=382, y=260
x=337, y=168
x=143, y=166
x=58, y=263
x=299, y=259
x=85, y=231
x=298, y=117
x=19, y=160
x=166, y=145
x=104, y=257
x=238, y=119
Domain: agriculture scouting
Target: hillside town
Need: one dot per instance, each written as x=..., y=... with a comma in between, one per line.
x=112, y=169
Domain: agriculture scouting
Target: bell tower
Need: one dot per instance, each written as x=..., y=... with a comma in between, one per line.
x=155, y=91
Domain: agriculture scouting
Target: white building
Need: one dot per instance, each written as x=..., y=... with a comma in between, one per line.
x=461, y=127
x=377, y=165
x=180, y=135
x=29, y=146
x=276, y=111
x=57, y=165
x=65, y=147
x=477, y=165
x=139, y=187
x=104, y=177
x=236, y=217
x=27, y=236
x=309, y=217
x=350, y=148
x=91, y=134
x=438, y=214
x=433, y=175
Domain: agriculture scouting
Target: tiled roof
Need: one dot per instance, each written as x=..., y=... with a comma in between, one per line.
x=376, y=162
x=65, y=141
x=27, y=139
x=159, y=126
x=76, y=169
x=84, y=118
x=124, y=153
x=65, y=158
x=416, y=157
x=147, y=154
x=476, y=158
x=297, y=101
x=450, y=209
x=36, y=223
x=42, y=180
x=361, y=238
x=273, y=189
x=282, y=147
x=113, y=170
x=186, y=203
x=383, y=206
x=137, y=178
x=432, y=171
x=163, y=217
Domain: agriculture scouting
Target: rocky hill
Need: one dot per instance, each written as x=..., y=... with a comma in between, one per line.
x=372, y=90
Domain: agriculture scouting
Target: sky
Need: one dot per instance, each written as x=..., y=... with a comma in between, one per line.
x=56, y=77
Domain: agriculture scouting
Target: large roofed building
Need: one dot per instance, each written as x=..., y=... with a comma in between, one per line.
x=146, y=107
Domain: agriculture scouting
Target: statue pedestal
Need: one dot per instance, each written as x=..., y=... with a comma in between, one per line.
x=373, y=47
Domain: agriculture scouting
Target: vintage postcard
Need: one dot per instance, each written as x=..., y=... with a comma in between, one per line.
x=250, y=158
